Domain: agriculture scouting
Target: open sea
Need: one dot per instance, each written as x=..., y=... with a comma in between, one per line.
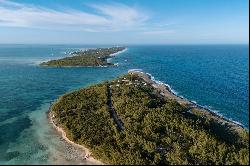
x=214, y=76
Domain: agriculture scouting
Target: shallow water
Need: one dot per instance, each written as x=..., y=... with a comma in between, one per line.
x=213, y=76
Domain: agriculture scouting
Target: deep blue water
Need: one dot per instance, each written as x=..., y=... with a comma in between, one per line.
x=215, y=76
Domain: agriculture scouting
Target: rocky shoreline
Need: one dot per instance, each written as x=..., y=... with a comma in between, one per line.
x=165, y=91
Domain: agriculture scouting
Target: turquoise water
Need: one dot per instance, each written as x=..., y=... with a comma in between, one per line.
x=215, y=76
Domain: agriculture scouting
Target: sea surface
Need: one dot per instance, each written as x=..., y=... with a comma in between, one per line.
x=214, y=76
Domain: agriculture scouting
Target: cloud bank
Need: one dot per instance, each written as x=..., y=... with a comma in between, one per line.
x=103, y=18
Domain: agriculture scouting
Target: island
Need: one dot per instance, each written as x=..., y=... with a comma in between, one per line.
x=134, y=120
x=89, y=57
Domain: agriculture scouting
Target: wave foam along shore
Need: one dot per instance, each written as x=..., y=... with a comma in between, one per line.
x=170, y=93
x=119, y=52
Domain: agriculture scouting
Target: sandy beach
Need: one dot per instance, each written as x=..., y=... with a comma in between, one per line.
x=85, y=152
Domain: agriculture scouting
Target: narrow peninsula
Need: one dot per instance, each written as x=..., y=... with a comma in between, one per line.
x=135, y=120
x=90, y=57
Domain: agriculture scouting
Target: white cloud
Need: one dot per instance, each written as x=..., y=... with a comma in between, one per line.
x=121, y=14
x=20, y=15
x=103, y=18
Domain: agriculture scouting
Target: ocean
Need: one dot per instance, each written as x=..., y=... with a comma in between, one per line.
x=214, y=76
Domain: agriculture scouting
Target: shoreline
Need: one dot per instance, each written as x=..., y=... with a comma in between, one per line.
x=78, y=66
x=166, y=91
x=63, y=135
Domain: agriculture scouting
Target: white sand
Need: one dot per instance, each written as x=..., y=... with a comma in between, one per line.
x=86, y=151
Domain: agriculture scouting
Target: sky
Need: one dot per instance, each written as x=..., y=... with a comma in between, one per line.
x=124, y=22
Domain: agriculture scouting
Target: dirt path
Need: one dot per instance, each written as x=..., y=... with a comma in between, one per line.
x=117, y=120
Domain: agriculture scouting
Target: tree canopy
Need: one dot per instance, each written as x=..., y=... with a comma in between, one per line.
x=157, y=130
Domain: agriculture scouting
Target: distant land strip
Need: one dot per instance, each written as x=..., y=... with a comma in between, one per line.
x=90, y=57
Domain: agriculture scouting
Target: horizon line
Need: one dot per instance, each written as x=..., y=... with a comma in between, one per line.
x=124, y=44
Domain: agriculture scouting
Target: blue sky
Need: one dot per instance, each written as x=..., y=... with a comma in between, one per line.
x=124, y=21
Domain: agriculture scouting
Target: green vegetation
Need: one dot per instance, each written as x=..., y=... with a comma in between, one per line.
x=90, y=57
x=156, y=130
